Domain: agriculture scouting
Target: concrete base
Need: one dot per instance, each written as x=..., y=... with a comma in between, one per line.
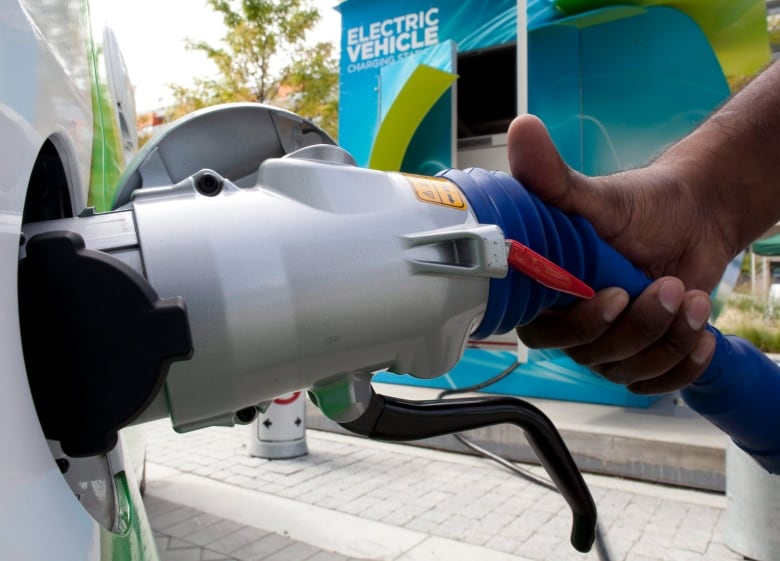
x=277, y=450
x=753, y=507
x=665, y=443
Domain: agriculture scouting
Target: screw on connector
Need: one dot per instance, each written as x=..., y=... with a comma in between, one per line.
x=208, y=183
x=246, y=415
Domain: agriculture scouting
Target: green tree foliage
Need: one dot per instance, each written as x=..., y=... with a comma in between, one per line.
x=264, y=57
x=736, y=83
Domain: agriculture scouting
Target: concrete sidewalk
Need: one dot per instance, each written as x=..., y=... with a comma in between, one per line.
x=352, y=498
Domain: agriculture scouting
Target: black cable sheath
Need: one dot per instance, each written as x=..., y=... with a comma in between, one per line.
x=393, y=419
x=602, y=548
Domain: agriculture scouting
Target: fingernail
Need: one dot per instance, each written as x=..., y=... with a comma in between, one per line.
x=698, y=311
x=701, y=353
x=614, y=305
x=670, y=294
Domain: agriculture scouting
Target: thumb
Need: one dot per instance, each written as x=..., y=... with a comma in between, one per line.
x=610, y=203
x=535, y=162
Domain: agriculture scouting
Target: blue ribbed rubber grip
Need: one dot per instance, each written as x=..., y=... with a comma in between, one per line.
x=740, y=390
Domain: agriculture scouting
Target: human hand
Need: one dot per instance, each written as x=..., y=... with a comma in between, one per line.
x=657, y=343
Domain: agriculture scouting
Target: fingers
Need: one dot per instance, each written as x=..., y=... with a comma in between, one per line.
x=652, y=314
x=683, y=373
x=656, y=345
x=668, y=348
x=583, y=322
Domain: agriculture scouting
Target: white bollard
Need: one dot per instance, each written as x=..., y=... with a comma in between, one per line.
x=280, y=431
x=753, y=507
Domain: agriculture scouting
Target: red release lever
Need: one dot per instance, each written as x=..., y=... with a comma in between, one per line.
x=545, y=272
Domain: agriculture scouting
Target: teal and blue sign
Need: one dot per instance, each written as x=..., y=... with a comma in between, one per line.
x=377, y=36
x=615, y=82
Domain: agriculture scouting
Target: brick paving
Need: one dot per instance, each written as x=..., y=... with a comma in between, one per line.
x=438, y=494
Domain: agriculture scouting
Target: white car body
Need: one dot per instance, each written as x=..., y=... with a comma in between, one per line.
x=46, y=87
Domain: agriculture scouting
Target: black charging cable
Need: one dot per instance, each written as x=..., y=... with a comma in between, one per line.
x=602, y=548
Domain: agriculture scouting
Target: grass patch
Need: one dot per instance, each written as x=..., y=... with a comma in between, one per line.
x=753, y=318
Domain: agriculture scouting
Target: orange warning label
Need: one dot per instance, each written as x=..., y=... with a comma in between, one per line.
x=436, y=190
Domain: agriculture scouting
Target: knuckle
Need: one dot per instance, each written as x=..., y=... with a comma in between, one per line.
x=674, y=379
x=677, y=345
x=649, y=330
x=530, y=337
x=582, y=356
x=614, y=372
